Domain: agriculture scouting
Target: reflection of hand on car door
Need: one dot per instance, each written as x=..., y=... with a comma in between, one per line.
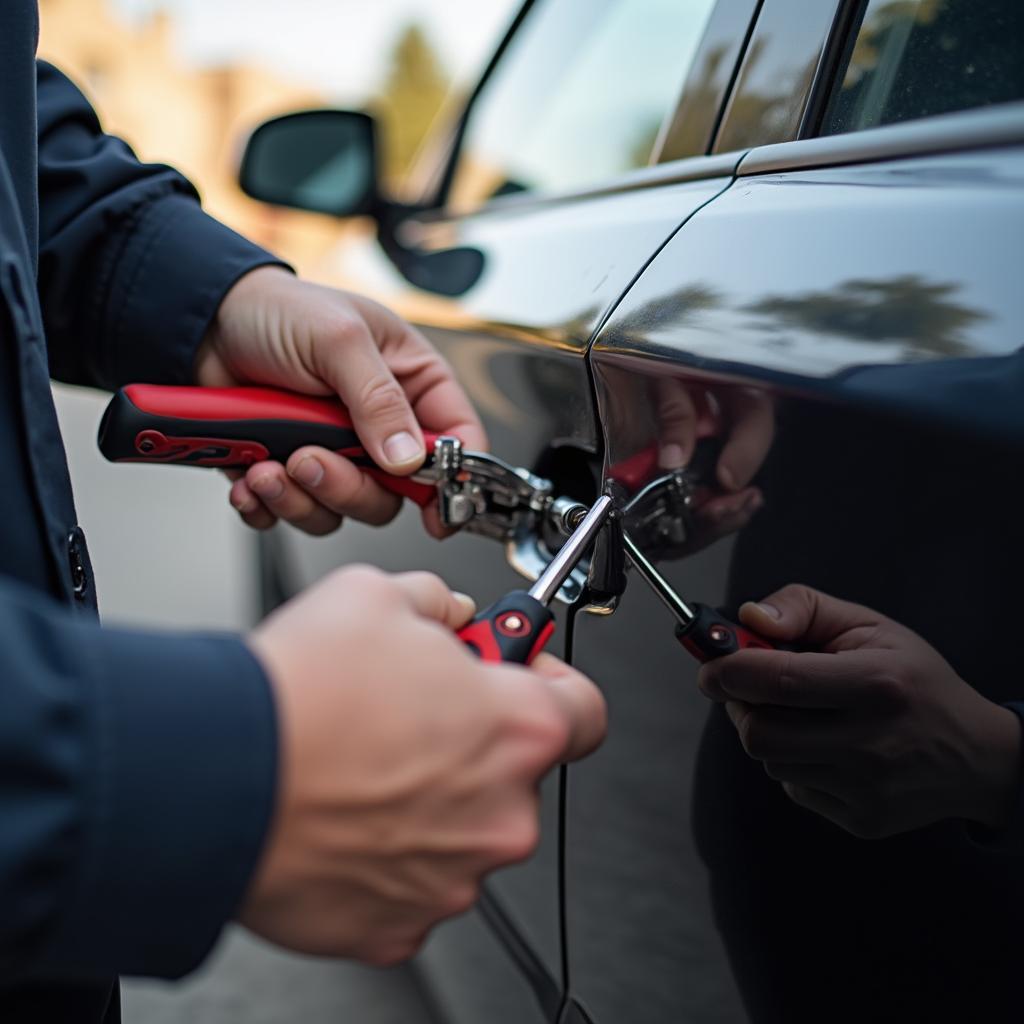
x=743, y=419
x=871, y=727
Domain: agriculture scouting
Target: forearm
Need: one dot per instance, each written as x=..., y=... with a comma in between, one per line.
x=139, y=778
x=131, y=271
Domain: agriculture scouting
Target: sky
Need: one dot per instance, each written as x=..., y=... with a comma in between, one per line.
x=341, y=46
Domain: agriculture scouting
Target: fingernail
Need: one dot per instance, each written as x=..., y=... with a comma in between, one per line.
x=754, y=502
x=308, y=472
x=672, y=456
x=726, y=479
x=244, y=506
x=269, y=487
x=401, y=448
x=467, y=603
x=769, y=609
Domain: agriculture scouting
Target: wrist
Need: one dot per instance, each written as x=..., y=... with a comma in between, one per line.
x=237, y=306
x=998, y=775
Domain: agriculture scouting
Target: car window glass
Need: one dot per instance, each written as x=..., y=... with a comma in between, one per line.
x=915, y=58
x=578, y=97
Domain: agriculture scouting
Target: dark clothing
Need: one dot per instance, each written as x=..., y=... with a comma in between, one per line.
x=136, y=771
x=924, y=525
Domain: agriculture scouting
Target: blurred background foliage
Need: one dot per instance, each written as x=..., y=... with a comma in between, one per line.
x=184, y=81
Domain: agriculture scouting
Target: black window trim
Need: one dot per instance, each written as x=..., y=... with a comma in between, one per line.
x=845, y=26
x=773, y=14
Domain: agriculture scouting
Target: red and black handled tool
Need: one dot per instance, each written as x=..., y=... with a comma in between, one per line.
x=703, y=631
x=232, y=428
x=515, y=628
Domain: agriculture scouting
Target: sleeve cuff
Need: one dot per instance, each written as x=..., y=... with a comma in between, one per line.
x=180, y=264
x=184, y=786
x=1009, y=840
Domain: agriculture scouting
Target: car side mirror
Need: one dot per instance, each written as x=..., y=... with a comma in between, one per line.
x=319, y=160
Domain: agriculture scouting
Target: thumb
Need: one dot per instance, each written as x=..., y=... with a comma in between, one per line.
x=380, y=410
x=430, y=597
x=580, y=701
x=801, y=614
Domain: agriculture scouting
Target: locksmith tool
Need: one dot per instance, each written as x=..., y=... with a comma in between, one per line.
x=233, y=428
x=704, y=632
x=517, y=626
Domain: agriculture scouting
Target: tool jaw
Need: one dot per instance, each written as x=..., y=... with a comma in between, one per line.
x=483, y=494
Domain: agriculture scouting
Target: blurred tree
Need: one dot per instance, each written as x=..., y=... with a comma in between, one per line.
x=411, y=97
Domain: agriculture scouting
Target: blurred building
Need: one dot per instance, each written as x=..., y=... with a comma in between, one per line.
x=195, y=118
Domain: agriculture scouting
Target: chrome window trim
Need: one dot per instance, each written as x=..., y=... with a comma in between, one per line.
x=695, y=168
x=985, y=127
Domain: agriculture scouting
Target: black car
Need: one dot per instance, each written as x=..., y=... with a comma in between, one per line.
x=802, y=216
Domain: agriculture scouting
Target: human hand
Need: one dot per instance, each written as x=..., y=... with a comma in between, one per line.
x=871, y=728
x=744, y=419
x=274, y=329
x=408, y=767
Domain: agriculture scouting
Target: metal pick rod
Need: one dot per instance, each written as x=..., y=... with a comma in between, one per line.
x=552, y=578
x=675, y=604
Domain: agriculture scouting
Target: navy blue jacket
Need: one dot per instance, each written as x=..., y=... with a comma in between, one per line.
x=136, y=771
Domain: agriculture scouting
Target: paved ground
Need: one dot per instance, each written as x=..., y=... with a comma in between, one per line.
x=247, y=982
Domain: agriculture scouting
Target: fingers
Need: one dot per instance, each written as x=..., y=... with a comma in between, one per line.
x=789, y=735
x=797, y=680
x=430, y=597
x=336, y=483
x=816, y=800
x=316, y=490
x=579, y=700
x=812, y=776
x=253, y=512
x=380, y=410
x=751, y=431
x=799, y=613
x=441, y=406
x=676, y=416
x=426, y=379
x=282, y=498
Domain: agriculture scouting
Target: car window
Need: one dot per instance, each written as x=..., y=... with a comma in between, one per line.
x=578, y=97
x=915, y=58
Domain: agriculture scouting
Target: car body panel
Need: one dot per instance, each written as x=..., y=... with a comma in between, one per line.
x=861, y=288
x=874, y=308
x=517, y=339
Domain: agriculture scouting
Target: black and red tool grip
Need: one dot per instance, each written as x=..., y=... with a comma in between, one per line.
x=233, y=428
x=711, y=635
x=513, y=629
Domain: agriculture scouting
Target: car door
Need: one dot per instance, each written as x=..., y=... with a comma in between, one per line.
x=550, y=205
x=851, y=301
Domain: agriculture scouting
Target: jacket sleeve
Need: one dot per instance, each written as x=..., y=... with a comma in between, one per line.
x=137, y=778
x=131, y=271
